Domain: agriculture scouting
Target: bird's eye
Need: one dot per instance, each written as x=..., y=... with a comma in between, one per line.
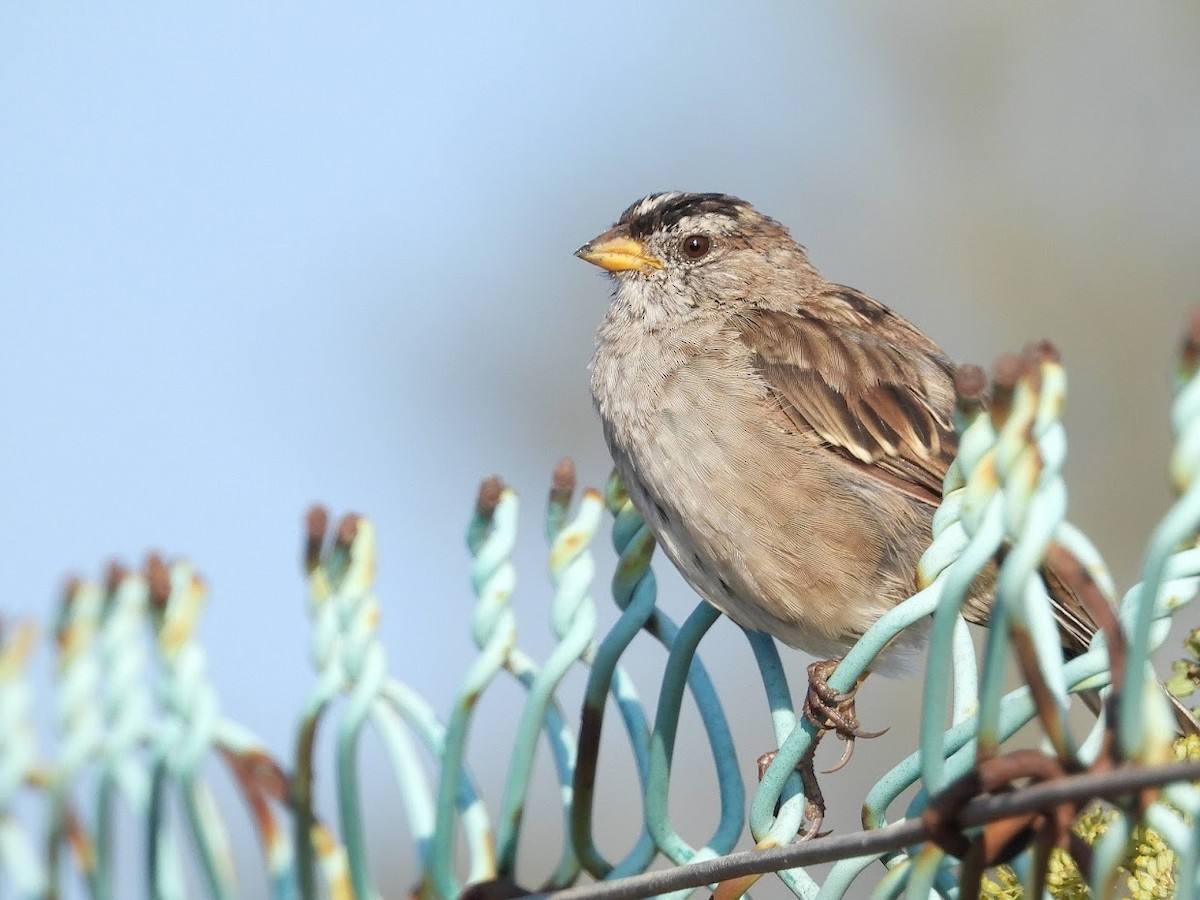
x=695, y=246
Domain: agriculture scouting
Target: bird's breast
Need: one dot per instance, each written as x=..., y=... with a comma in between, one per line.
x=763, y=521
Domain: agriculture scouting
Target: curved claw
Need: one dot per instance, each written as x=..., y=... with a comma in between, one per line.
x=812, y=830
x=846, y=754
x=829, y=710
x=872, y=734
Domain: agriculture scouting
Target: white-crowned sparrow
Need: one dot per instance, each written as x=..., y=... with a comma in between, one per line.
x=785, y=438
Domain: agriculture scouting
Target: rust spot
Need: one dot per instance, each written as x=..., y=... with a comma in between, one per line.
x=316, y=521
x=1193, y=326
x=256, y=771
x=81, y=843
x=1007, y=370
x=1043, y=352
x=564, y=475
x=737, y=887
x=970, y=382
x=114, y=574
x=347, y=529
x=563, y=485
x=71, y=589
x=489, y=495
x=69, y=592
x=591, y=720
x=1005, y=373
x=158, y=580
x=1191, y=342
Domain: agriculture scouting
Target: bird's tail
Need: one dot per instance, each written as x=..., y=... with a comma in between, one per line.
x=1082, y=609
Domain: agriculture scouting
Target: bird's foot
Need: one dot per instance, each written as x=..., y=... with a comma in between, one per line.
x=814, y=800
x=829, y=711
x=833, y=711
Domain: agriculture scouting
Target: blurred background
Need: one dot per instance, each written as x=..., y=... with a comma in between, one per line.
x=252, y=258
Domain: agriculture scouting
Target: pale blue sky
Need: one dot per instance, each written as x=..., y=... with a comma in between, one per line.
x=256, y=257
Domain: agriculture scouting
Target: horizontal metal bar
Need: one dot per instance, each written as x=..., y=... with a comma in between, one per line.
x=868, y=843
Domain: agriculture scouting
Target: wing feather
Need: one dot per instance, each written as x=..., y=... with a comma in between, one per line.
x=870, y=399
x=836, y=368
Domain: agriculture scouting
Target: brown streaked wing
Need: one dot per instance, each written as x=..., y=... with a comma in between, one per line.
x=863, y=394
x=816, y=367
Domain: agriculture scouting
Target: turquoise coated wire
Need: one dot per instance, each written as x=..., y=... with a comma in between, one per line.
x=781, y=787
x=889, y=887
x=476, y=825
x=1020, y=500
x=1176, y=528
x=923, y=872
x=789, y=794
x=634, y=590
x=1188, y=845
x=188, y=736
x=78, y=717
x=19, y=863
x=1036, y=499
x=364, y=667
x=969, y=524
x=1017, y=709
x=1011, y=442
x=367, y=684
x=574, y=623
x=128, y=728
x=239, y=746
x=684, y=670
x=493, y=578
x=325, y=571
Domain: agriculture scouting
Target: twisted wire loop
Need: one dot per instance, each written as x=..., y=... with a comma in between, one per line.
x=350, y=660
x=187, y=730
x=977, y=804
x=967, y=531
x=1005, y=499
x=129, y=726
x=634, y=590
x=363, y=665
x=1029, y=452
x=191, y=729
x=79, y=725
x=315, y=845
x=19, y=862
x=573, y=624
x=1170, y=577
x=491, y=536
x=785, y=791
x=1025, y=459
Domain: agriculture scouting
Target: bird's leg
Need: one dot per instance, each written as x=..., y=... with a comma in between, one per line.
x=814, y=800
x=831, y=711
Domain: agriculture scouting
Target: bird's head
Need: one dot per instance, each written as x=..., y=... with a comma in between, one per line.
x=672, y=254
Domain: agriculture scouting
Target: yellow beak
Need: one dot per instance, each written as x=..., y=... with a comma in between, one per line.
x=616, y=251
